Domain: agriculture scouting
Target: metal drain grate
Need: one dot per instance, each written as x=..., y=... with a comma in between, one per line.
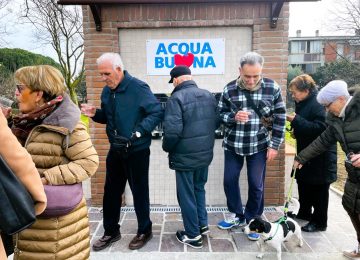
x=177, y=209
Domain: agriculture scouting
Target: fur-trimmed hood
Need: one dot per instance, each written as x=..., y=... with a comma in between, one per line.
x=65, y=116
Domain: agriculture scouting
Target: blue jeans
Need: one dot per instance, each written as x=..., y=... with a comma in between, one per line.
x=256, y=169
x=190, y=187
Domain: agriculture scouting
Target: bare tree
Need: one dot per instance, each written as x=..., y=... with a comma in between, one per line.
x=61, y=27
x=347, y=16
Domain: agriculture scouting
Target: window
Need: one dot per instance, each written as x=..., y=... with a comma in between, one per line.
x=298, y=47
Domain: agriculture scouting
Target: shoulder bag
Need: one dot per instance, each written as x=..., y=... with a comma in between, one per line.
x=61, y=199
x=267, y=122
x=17, y=210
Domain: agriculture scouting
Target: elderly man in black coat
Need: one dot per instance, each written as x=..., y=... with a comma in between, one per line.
x=189, y=134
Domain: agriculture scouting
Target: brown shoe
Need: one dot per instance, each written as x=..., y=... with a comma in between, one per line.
x=352, y=254
x=140, y=240
x=105, y=241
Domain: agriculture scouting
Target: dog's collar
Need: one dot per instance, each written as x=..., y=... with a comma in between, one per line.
x=279, y=222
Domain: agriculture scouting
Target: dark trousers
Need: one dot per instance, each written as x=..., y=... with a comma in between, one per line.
x=134, y=169
x=256, y=169
x=355, y=219
x=314, y=197
x=190, y=188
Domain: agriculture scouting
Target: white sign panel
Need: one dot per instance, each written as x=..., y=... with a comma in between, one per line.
x=203, y=56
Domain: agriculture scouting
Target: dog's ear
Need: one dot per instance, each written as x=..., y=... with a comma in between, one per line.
x=267, y=227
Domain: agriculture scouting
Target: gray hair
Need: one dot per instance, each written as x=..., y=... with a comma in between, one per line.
x=112, y=57
x=251, y=58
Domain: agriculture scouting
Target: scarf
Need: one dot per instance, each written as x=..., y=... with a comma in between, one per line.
x=24, y=123
x=241, y=84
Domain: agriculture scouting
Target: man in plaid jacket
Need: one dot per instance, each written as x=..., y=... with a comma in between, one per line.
x=242, y=104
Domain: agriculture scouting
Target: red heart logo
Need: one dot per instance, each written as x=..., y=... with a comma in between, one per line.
x=186, y=60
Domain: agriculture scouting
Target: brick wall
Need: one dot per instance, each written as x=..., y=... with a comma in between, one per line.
x=271, y=43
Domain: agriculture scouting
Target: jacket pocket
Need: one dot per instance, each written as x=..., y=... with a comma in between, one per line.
x=350, y=197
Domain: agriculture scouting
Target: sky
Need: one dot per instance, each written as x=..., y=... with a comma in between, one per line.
x=304, y=16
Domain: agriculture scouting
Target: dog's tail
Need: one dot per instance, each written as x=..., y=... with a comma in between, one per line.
x=295, y=206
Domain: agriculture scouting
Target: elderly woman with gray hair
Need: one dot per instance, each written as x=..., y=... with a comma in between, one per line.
x=314, y=179
x=343, y=127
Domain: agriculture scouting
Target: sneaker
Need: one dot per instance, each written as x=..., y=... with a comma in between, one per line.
x=204, y=230
x=352, y=254
x=253, y=236
x=195, y=242
x=231, y=222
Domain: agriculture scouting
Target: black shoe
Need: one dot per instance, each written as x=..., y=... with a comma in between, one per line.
x=105, y=241
x=195, y=242
x=312, y=227
x=204, y=230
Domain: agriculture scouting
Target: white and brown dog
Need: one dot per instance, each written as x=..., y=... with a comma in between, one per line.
x=274, y=234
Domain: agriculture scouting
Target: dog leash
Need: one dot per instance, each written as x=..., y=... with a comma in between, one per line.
x=286, y=206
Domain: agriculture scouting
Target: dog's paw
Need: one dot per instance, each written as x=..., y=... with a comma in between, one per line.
x=260, y=256
x=301, y=243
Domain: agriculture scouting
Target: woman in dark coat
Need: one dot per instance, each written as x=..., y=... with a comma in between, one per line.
x=315, y=177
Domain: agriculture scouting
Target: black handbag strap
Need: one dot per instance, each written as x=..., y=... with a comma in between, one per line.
x=252, y=104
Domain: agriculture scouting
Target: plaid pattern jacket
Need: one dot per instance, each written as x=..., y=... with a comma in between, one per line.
x=252, y=137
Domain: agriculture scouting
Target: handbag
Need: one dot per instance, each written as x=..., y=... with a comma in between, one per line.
x=61, y=199
x=268, y=121
x=17, y=210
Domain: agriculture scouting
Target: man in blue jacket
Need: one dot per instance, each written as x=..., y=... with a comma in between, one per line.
x=189, y=134
x=130, y=111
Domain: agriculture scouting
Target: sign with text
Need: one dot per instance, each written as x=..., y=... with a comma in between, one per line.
x=202, y=56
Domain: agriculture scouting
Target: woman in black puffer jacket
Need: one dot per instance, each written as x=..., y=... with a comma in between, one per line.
x=315, y=177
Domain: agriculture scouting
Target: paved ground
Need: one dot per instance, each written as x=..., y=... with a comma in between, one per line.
x=220, y=244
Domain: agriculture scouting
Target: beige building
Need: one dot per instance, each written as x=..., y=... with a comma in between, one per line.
x=145, y=32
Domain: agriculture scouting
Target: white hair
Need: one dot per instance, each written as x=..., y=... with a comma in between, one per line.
x=113, y=57
x=251, y=58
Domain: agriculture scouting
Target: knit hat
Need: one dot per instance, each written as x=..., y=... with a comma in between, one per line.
x=332, y=91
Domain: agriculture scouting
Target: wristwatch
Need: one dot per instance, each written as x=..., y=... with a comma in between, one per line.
x=137, y=134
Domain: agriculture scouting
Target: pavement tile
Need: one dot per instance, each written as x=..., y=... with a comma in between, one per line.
x=217, y=233
x=95, y=216
x=273, y=216
x=100, y=231
x=130, y=215
x=173, y=226
x=173, y=217
x=215, y=217
x=156, y=229
x=169, y=243
x=243, y=244
x=93, y=226
x=292, y=246
x=221, y=245
x=129, y=226
x=122, y=245
x=320, y=244
x=157, y=218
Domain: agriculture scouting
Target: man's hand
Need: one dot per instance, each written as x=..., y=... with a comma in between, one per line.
x=297, y=165
x=242, y=116
x=88, y=110
x=271, y=154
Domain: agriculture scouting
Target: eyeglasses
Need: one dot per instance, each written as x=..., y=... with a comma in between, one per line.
x=20, y=87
